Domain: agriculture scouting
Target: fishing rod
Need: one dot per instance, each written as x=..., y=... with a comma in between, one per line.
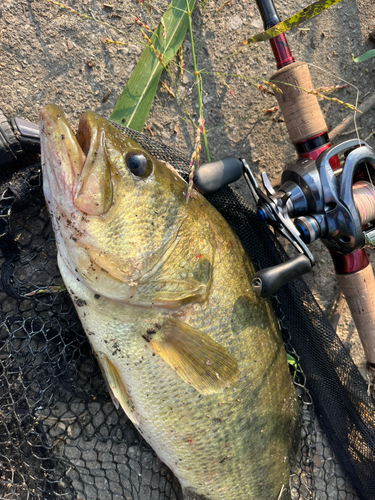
x=328, y=193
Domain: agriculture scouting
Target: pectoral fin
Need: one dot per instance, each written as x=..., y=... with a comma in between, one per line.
x=195, y=357
x=117, y=389
x=184, y=273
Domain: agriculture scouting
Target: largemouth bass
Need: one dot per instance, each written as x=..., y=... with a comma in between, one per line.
x=163, y=290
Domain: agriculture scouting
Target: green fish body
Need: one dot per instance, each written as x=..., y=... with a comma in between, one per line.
x=163, y=290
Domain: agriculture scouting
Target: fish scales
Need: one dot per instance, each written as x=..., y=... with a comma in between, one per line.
x=163, y=290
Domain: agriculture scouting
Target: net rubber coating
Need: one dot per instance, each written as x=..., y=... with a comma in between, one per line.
x=301, y=111
x=359, y=291
x=10, y=148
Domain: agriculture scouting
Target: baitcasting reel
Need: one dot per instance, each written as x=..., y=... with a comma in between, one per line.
x=314, y=201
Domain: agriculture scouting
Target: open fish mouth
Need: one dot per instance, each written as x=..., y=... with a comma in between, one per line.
x=78, y=165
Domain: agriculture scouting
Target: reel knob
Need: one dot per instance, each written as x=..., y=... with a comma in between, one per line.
x=210, y=177
x=267, y=281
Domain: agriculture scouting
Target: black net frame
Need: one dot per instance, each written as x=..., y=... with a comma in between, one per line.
x=52, y=395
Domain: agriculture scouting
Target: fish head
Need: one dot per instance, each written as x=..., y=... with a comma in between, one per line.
x=116, y=211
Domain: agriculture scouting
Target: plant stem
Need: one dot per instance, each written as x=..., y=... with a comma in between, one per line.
x=198, y=83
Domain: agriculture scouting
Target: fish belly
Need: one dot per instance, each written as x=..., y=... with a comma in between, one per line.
x=230, y=445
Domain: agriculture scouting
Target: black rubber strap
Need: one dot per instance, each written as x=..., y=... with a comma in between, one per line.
x=10, y=148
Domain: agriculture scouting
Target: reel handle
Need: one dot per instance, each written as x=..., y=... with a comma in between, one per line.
x=267, y=281
x=210, y=177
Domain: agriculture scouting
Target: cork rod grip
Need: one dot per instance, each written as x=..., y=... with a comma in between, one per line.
x=301, y=111
x=359, y=291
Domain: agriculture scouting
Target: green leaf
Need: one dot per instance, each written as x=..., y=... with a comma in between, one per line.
x=293, y=363
x=304, y=15
x=134, y=103
x=291, y=360
x=365, y=56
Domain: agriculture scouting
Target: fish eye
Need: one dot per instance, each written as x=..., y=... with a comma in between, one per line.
x=138, y=164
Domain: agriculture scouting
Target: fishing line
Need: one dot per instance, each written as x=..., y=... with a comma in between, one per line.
x=363, y=195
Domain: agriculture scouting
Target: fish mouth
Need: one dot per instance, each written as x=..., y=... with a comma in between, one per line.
x=62, y=156
x=77, y=166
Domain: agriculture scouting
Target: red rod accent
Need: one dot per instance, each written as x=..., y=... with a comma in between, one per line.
x=346, y=264
x=334, y=161
x=313, y=155
x=281, y=51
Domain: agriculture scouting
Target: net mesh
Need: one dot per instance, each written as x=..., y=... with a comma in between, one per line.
x=61, y=436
